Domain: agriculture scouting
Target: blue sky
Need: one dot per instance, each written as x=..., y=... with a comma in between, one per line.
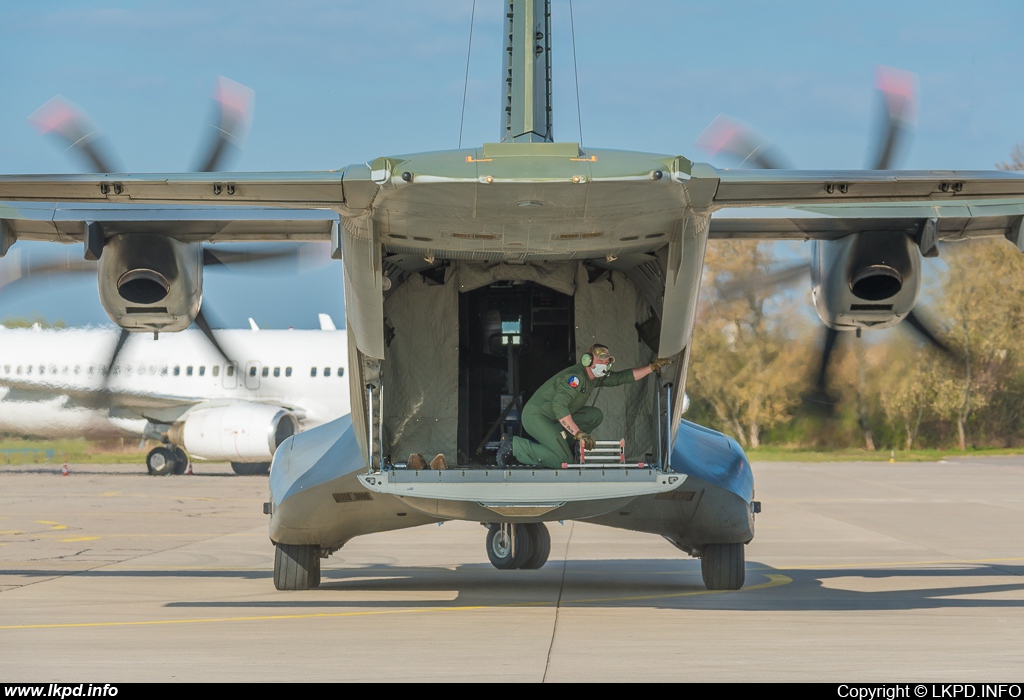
x=339, y=82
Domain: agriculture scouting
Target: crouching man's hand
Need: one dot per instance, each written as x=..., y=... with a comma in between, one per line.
x=586, y=439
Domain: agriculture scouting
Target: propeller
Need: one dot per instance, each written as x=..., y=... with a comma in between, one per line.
x=897, y=89
x=68, y=124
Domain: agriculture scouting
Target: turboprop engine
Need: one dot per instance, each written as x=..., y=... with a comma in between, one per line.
x=865, y=280
x=151, y=282
x=241, y=432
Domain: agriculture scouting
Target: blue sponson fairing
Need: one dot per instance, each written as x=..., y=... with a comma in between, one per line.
x=712, y=457
x=316, y=498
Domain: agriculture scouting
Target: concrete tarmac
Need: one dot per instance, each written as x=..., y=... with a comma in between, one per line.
x=858, y=572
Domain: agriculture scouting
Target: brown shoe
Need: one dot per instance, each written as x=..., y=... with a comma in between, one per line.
x=439, y=463
x=416, y=461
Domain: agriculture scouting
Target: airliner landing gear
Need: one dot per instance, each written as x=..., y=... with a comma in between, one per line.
x=181, y=460
x=296, y=567
x=512, y=546
x=722, y=566
x=161, y=460
x=251, y=468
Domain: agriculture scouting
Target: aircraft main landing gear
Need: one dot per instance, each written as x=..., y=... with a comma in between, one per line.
x=251, y=468
x=166, y=459
x=296, y=567
x=181, y=460
x=722, y=566
x=514, y=546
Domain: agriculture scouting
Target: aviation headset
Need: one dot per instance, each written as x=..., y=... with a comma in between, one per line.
x=595, y=352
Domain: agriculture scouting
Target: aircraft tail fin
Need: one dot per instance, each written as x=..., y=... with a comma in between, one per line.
x=252, y=324
x=326, y=322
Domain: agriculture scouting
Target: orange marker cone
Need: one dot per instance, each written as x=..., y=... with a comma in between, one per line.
x=188, y=470
x=64, y=470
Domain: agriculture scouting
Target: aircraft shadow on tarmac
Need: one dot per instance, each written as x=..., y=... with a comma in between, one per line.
x=646, y=583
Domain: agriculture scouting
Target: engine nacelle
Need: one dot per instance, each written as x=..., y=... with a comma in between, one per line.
x=151, y=282
x=865, y=280
x=241, y=432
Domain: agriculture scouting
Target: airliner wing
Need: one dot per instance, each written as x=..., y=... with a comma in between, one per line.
x=126, y=403
x=20, y=390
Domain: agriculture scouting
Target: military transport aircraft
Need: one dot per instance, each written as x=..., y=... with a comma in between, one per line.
x=472, y=275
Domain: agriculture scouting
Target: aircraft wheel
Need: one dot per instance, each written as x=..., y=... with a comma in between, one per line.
x=540, y=545
x=160, y=461
x=722, y=567
x=296, y=567
x=251, y=468
x=508, y=546
x=180, y=460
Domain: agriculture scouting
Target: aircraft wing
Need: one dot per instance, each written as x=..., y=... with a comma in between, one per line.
x=125, y=402
x=62, y=221
x=307, y=205
x=801, y=205
x=113, y=398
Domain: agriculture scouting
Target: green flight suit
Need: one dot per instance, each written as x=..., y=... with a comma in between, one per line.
x=564, y=394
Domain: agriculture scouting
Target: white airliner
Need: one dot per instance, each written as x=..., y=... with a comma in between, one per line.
x=175, y=388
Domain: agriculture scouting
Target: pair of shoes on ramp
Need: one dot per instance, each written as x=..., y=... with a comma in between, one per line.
x=505, y=458
x=418, y=461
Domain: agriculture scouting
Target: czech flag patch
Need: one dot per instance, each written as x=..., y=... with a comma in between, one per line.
x=574, y=381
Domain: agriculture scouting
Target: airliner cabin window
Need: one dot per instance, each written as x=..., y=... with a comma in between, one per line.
x=327, y=371
x=19, y=369
x=252, y=371
x=202, y=370
x=266, y=371
x=188, y=370
x=312, y=371
x=277, y=371
x=287, y=371
x=216, y=370
x=177, y=370
x=53, y=369
x=341, y=371
x=78, y=369
x=163, y=370
x=231, y=370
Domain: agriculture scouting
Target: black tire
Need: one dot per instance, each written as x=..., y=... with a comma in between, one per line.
x=722, y=567
x=160, y=461
x=296, y=567
x=251, y=468
x=540, y=546
x=181, y=460
x=508, y=552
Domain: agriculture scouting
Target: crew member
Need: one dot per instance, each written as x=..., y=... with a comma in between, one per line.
x=558, y=410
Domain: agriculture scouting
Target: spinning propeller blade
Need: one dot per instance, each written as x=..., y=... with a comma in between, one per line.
x=724, y=135
x=233, y=106
x=68, y=123
x=898, y=89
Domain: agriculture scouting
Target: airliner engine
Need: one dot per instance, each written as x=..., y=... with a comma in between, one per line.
x=151, y=282
x=865, y=280
x=240, y=432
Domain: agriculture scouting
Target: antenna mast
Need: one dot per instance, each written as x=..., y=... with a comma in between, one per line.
x=527, y=61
